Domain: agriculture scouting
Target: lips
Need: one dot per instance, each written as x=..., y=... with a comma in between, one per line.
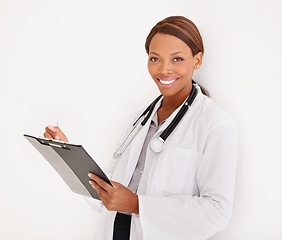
x=167, y=82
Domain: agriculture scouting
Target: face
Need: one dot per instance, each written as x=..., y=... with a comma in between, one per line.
x=171, y=64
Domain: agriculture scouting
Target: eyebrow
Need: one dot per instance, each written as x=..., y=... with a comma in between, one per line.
x=170, y=54
x=177, y=53
x=154, y=53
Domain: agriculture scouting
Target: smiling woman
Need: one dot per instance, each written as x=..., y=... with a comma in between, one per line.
x=183, y=189
x=171, y=65
x=186, y=31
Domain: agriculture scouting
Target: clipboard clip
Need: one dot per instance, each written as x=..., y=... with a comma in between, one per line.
x=53, y=143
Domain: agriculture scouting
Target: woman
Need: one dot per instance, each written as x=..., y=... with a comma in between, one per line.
x=185, y=190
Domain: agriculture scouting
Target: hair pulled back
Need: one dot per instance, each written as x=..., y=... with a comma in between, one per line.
x=183, y=29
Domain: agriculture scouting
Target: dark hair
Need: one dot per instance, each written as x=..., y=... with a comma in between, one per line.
x=183, y=29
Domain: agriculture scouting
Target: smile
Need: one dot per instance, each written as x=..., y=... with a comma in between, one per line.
x=167, y=82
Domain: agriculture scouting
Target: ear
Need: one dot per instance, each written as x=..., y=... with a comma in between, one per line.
x=198, y=60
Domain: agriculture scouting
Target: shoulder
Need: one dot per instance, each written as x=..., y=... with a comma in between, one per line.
x=209, y=113
x=216, y=127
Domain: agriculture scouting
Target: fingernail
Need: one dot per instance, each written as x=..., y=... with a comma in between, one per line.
x=89, y=174
x=90, y=182
x=57, y=137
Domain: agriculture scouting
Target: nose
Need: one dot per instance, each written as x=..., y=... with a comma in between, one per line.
x=165, y=68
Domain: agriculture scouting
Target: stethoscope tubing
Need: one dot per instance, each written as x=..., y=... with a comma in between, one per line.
x=157, y=143
x=150, y=110
x=122, y=146
x=165, y=134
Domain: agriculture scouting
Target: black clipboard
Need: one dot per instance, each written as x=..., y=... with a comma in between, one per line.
x=72, y=163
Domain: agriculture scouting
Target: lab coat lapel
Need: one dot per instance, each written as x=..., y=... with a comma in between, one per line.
x=136, y=146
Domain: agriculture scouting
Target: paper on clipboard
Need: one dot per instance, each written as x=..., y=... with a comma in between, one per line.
x=72, y=163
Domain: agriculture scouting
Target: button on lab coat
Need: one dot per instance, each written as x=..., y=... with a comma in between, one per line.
x=186, y=191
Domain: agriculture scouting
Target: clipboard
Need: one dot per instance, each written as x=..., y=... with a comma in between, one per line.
x=72, y=163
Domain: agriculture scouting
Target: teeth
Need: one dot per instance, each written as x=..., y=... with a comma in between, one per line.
x=167, y=81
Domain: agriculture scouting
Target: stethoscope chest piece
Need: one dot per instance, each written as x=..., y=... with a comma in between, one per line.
x=157, y=144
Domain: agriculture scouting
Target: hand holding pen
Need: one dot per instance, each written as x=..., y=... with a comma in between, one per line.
x=55, y=132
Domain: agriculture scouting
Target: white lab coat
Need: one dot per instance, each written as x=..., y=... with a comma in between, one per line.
x=186, y=191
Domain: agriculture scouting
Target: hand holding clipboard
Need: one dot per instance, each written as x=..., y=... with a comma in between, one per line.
x=71, y=161
x=74, y=164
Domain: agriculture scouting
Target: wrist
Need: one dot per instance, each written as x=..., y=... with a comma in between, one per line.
x=135, y=204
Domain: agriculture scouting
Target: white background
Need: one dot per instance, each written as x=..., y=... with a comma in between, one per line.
x=83, y=64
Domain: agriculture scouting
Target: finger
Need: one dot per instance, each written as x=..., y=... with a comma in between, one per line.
x=61, y=134
x=51, y=129
x=100, y=182
x=104, y=201
x=107, y=202
x=47, y=135
x=52, y=132
x=101, y=191
x=56, y=133
x=116, y=184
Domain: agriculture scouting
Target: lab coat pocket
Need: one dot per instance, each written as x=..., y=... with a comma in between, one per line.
x=176, y=170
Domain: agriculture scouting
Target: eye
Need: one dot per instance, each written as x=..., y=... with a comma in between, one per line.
x=177, y=59
x=154, y=59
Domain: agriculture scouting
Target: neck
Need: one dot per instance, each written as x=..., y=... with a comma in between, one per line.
x=173, y=102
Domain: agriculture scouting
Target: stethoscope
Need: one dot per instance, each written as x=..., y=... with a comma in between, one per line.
x=156, y=144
